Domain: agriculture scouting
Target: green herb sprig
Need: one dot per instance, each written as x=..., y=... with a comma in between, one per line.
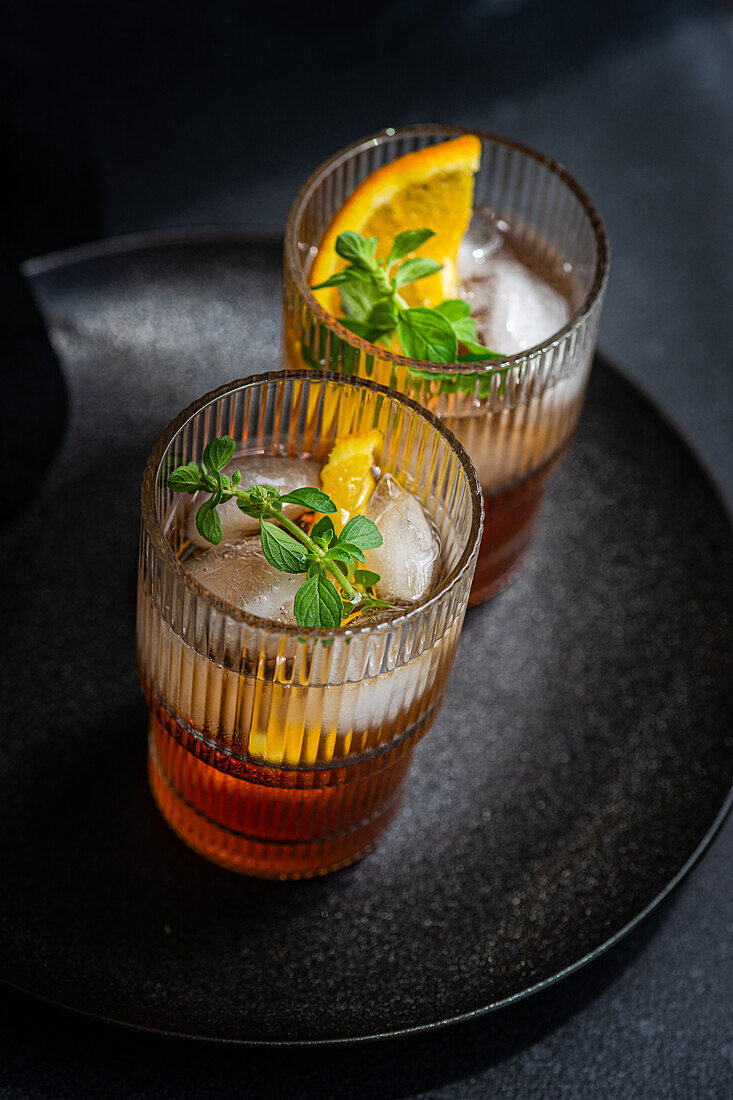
x=287, y=547
x=375, y=310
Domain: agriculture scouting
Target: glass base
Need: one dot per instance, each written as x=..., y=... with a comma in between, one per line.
x=274, y=829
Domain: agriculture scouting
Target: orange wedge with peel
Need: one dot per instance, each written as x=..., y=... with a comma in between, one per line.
x=347, y=476
x=429, y=189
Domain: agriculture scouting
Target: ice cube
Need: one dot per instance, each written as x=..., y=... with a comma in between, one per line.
x=240, y=574
x=485, y=236
x=279, y=471
x=408, y=559
x=514, y=308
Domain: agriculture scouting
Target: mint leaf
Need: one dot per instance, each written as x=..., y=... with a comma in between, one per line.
x=359, y=328
x=318, y=603
x=348, y=275
x=366, y=577
x=465, y=329
x=453, y=309
x=408, y=241
x=357, y=250
x=185, y=479
x=425, y=334
x=281, y=549
x=310, y=497
x=419, y=268
x=362, y=532
x=346, y=551
x=476, y=352
x=208, y=523
x=218, y=452
x=359, y=298
x=383, y=317
x=287, y=547
x=324, y=531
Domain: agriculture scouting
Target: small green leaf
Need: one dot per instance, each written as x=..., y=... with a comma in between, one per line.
x=476, y=352
x=324, y=531
x=408, y=241
x=357, y=249
x=360, y=298
x=310, y=497
x=465, y=328
x=366, y=577
x=236, y=477
x=425, y=334
x=318, y=603
x=218, y=452
x=281, y=549
x=339, y=278
x=185, y=479
x=363, y=532
x=352, y=548
x=359, y=328
x=419, y=268
x=383, y=317
x=345, y=551
x=208, y=523
x=453, y=309
x=250, y=507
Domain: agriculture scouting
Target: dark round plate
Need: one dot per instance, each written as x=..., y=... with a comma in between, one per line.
x=581, y=762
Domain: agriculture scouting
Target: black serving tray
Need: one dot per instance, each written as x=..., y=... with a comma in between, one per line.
x=582, y=760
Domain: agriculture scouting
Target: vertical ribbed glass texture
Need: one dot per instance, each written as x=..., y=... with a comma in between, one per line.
x=280, y=751
x=516, y=416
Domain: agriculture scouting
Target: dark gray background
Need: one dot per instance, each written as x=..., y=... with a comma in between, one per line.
x=157, y=117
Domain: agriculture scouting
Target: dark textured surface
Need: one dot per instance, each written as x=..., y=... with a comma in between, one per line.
x=582, y=753
x=636, y=97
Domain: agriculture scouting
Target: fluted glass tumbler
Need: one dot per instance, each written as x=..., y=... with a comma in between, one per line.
x=280, y=751
x=515, y=416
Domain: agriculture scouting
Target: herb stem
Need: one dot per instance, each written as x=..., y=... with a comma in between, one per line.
x=298, y=533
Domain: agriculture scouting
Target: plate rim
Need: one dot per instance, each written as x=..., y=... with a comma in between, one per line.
x=418, y=1029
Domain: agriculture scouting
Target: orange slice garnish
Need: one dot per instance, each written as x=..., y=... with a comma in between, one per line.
x=429, y=189
x=347, y=476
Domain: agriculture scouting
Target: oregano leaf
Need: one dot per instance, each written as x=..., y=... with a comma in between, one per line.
x=281, y=549
x=218, y=452
x=185, y=479
x=425, y=334
x=318, y=603
x=208, y=523
x=418, y=268
x=408, y=241
x=310, y=497
x=363, y=532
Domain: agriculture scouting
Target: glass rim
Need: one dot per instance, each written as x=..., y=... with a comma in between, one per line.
x=293, y=256
x=163, y=548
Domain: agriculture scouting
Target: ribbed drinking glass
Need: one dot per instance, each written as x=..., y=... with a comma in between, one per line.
x=280, y=751
x=515, y=416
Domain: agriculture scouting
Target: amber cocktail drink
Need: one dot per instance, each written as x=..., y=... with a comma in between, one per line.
x=274, y=749
x=532, y=266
